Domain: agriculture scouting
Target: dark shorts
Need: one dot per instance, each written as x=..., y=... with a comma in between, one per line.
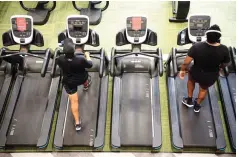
x=205, y=79
x=71, y=86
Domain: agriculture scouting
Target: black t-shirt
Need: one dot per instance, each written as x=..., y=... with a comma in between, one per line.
x=74, y=69
x=208, y=58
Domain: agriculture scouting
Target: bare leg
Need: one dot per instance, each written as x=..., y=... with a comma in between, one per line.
x=201, y=95
x=190, y=86
x=75, y=106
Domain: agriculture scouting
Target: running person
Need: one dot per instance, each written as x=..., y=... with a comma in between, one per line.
x=74, y=74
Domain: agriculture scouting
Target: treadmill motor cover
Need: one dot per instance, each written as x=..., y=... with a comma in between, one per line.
x=22, y=29
x=130, y=64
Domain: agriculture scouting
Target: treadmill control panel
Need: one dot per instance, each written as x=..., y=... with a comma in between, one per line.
x=136, y=29
x=78, y=28
x=197, y=26
x=22, y=29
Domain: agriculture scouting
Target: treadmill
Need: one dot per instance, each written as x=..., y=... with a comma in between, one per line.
x=92, y=103
x=30, y=109
x=136, y=117
x=227, y=88
x=189, y=129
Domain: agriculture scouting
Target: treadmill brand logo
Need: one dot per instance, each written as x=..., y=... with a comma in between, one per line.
x=147, y=91
x=13, y=127
x=210, y=130
x=137, y=65
x=91, y=139
x=136, y=61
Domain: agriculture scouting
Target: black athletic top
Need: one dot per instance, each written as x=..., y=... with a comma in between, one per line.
x=74, y=69
x=208, y=58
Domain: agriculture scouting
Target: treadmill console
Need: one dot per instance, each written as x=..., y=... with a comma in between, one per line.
x=136, y=29
x=197, y=26
x=22, y=29
x=78, y=28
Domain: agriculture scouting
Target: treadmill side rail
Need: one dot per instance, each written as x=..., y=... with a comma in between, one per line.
x=220, y=139
x=229, y=111
x=49, y=113
x=176, y=134
x=59, y=133
x=156, y=114
x=115, y=137
x=7, y=84
x=99, y=140
x=10, y=110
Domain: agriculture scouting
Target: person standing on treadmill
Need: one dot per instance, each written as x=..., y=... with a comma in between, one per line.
x=208, y=58
x=74, y=74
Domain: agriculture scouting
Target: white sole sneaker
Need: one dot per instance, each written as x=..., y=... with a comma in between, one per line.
x=188, y=105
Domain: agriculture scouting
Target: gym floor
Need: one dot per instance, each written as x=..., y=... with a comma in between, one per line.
x=223, y=13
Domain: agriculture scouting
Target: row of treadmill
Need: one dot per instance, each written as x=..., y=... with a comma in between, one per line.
x=31, y=92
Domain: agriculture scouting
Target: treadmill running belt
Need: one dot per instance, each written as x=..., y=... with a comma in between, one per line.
x=232, y=84
x=88, y=104
x=27, y=119
x=197, y=129
x=135, y=110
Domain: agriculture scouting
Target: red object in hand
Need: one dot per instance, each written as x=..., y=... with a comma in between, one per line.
x=21, y=24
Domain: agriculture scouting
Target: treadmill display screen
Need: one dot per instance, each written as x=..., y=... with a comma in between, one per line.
x=21, y=27
x=78, y=27
x=199, y=25
x=136, y=26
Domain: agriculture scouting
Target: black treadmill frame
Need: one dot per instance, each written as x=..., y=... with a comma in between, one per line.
x=102, y=103
x=171, y=73
x=43, y=139
x=156, y=123
x=227, y=104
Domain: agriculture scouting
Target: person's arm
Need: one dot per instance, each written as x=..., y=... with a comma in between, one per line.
x=88, y=61
x=184, y=66
x=226, y=59
x=187, y=61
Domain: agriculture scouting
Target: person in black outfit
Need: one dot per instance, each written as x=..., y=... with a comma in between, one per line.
x=74, y=74
x=208, y=58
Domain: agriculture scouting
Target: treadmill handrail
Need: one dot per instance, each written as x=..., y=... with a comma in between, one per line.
x=136, y=53
x=112, y=62
x=174, y=62
x=130, y=51
x=56, y=52
x=233, y=56
x=160, y=61
x=33, y=54
x=103, y=58
x=32, y=9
